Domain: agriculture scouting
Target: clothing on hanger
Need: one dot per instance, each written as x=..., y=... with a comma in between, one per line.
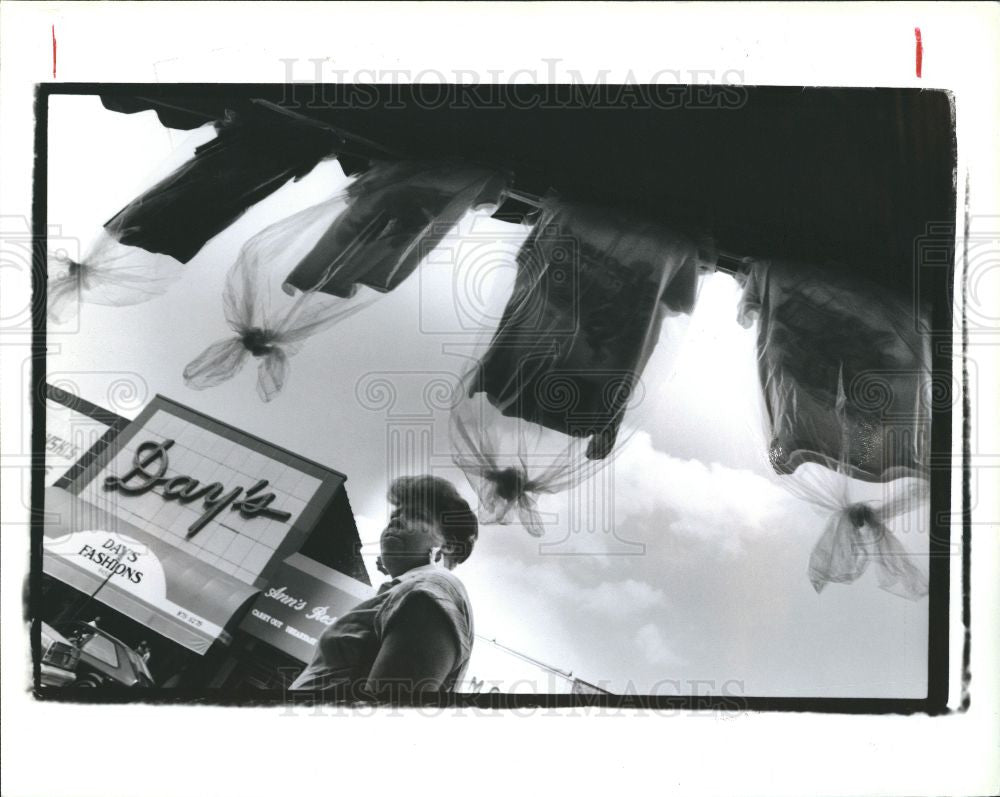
x=591, y=293
x=844, y=368
x=845, y=376
x=396, y=214
x=255, y=152
x=547, y=401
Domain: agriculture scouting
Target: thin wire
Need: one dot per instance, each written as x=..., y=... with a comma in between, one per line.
x=526, y=657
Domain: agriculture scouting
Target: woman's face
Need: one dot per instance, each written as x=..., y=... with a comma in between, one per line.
x=407, y=541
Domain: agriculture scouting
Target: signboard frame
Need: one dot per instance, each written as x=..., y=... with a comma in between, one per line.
x=301, y=592
x=300, y=527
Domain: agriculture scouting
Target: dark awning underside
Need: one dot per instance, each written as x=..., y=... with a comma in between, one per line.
x=852, y=176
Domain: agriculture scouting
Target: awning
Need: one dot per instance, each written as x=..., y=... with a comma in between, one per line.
x=304, y=598
x=700, y=157
x=135, y=573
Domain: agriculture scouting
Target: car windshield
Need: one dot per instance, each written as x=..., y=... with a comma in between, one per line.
x=101, y=649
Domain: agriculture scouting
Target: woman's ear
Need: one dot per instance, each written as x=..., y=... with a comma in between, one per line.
x=448, y=552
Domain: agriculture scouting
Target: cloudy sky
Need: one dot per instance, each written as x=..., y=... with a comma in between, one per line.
x=700, y=582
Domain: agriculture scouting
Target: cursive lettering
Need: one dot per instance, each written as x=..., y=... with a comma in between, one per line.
x=147, y=454
x=149, y=470
x=281, y=596
x=319, y=613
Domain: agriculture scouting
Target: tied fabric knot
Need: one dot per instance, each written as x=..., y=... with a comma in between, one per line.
x=107, y=273
x=508, y=483
x=68, y=282
x=224, y=359
x=860, y=515
x=504, y=489
x=258, y=342
x=842, y=554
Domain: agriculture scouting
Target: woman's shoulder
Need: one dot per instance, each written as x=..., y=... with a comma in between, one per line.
x=439, y=578
x=441, y=586
x=446, y=590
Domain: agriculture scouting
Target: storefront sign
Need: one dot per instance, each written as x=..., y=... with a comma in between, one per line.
x=114, y=557
x=127, y=564
x=139, y=575
x=150, y=465
x=178, y=520
x=304, y=599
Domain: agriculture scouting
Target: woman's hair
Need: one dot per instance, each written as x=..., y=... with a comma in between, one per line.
x=439, y=501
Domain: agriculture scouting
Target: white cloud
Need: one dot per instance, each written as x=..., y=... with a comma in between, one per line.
x=650, y=643
x=621, y=598
x=553, y=583
x=709, y=501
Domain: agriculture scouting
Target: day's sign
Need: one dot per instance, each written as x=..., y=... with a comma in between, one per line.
x=149, y=470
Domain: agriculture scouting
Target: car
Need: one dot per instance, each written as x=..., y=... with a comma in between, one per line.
x=105, y=660
x=60, y=658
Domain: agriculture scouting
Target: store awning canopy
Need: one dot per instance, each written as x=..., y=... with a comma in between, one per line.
x=303, y=600
x=850, y=176
x=145, y=578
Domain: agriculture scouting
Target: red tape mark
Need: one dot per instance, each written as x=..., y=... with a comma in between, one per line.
x=53, y=52
x=920, y=51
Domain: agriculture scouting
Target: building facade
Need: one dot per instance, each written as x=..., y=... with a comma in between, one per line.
x=223, y=555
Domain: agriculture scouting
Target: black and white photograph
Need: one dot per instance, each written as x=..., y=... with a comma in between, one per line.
x=351, y=394
x=451, y=389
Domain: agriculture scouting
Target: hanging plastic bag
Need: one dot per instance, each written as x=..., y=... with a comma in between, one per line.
x=268, y=324
x=543, y=407
x=271, y=317
x=858, y=529
x=255, y=152
x=108, y=274
x=111, y=273
x=397, y=213
x=845, y=381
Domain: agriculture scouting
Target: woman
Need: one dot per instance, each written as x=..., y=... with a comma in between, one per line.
x=415, y=635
